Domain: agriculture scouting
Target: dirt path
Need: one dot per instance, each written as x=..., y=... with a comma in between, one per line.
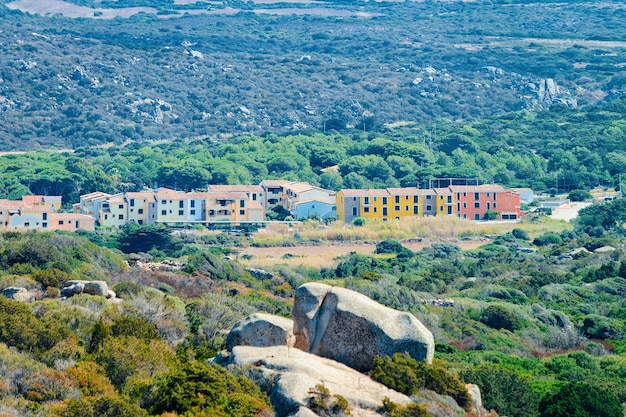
x=325, y=255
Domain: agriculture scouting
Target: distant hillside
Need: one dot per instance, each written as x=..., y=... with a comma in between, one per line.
x=169, y=72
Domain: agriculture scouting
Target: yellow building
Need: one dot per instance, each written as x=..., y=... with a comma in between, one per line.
x=444, y=201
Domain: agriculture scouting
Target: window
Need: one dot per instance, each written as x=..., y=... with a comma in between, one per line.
x=415, y=199
x=406, y=208
x=44, y=216
x=488, y=194
x=140, y=221
x=464, y=205
x=396, y=208
x=163, y=212
x=354, y=211
x=192, y=212
x=140, y=211
x=28, y=224
x=449, y=199
x=449, y=209
x=464, y=194
x=397, y=199
x=366, y=200
x=384, y=200
x=132, y=202
x=106, y=216
x=375, y=209
x=384, y=210
x=477, y=205
x=181, y=204
x=397, y=218
x=242, y=212
x=60, y=222
x=488, y=206
x=254, y=197
x=121, y=217
x=415, y=210
x=429, y=208
x=242, y=203
x=465, y=216
x=121, y=206
x=163, y=202
x=494, y=205
x=476, y=216
x=44, y=225
x=181, y=212
x=192, y=203
x=366, y=209
x=458, y=196
x=476, y=196
x=429, y=197
x=494, y=196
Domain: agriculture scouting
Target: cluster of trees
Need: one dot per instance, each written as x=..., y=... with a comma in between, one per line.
x=70, y=82
x=568, y=151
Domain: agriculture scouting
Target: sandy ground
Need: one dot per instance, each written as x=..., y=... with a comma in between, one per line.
x=569, y=211
x=326, y=255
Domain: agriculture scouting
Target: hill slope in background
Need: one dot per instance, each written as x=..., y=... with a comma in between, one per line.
x=258, y=67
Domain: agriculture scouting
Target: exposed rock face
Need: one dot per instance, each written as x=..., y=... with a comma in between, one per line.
x=261, y=330
x=18, y=294
x=477, y=402
x=351, y=328
x=99, y=288
x=295, y=373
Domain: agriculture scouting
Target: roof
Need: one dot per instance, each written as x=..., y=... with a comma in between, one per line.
x=169, y=193
x=444, y=191
x=315, y=200
x=149, y=195
x=522, y=190
x=236, y=188
x=275, y=183
x=477, y=188
x=35, y=209
x=255, y=205
x=299, y=187
x=370, y=192
x=94, y=195
x=409, y=191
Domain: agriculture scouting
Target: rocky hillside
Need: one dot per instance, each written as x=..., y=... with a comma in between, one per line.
x=194, y=69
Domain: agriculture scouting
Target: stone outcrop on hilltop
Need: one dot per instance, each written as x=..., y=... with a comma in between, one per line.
x=99, y=288
x=351, y=328
x=335, y=334
x=19, y=294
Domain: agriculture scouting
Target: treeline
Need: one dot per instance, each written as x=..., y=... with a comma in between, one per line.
x=552, y=152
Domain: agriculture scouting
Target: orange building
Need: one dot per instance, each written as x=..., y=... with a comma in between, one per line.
x=473, y=201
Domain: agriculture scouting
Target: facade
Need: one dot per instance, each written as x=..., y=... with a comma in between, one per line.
x=469, y=202
x=274, y=191
x=141, y=207
x=473, y=201
x=254, y=192
x=302, y=199
x=40, y=213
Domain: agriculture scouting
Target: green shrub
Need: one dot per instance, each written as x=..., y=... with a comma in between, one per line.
x=504, y=390
x=326, y=405
x=547, y=239
x=520, y=234
x=209, y=389
x=404, y=374
x=499, y=317
x=359, y=221
x=581, y=400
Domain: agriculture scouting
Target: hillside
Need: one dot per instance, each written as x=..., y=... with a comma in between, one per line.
x=189, y=70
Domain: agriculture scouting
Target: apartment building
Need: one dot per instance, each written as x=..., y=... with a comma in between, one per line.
x=40, y=213
x=473, y=201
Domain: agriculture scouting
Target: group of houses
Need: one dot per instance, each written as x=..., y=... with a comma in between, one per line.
x=239, y=204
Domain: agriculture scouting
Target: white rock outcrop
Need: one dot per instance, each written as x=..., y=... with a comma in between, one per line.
x=73, y=287
x=19, y=294
x=295, y=373
x=351, y=328
x=261, y=330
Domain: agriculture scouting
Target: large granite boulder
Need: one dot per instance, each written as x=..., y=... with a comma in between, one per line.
x=73, y=287
x=293, y=373
x=351, y=328
x=18, y=294
x=261, y=330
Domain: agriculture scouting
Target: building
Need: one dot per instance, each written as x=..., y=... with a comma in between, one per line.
x=444, y=203
x=274, y=191
x=254, y=192
x=41, y=213
x=141, y=207
x=302, y=200
x=367, y=203
x=473, y=201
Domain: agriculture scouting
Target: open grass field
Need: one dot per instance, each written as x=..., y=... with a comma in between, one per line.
x=312, y=245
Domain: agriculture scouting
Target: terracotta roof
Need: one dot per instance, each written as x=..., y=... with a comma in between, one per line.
x=255, y=205
x=370, y=192
x=94, y=195
x=11, y=204
x=35, y=209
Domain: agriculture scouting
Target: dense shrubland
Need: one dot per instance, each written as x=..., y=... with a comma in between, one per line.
x=525, y=326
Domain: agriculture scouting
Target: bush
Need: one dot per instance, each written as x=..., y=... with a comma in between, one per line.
x=326, y=405
x=359, y=221
x=406, y=375
x=579, y=195
x=198, y=388
x=520, y=234
x=547, y=239
x=500, y=317
x=581, y=400
x=504, y=390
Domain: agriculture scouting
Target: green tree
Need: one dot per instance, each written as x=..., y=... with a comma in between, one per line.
x=581, y=400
